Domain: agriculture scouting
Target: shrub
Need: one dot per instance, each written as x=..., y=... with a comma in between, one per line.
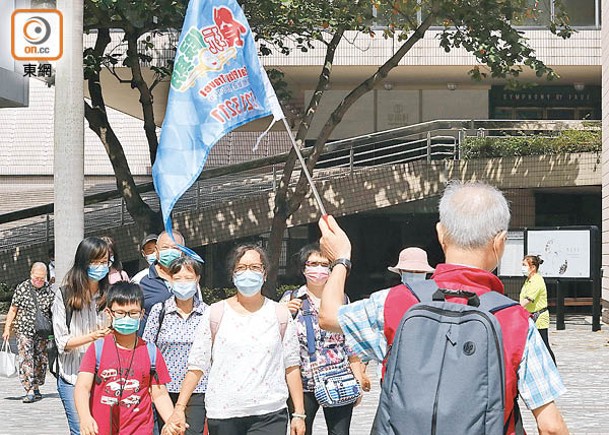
x=567, y=141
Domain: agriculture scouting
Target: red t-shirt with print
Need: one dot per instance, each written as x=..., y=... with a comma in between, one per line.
x=123, y=396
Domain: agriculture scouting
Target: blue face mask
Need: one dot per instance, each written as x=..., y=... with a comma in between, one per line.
x=97, y=272
x=184, y=290
x=150, y=258
x=411, y=277
x=168, y=256
x=126, y=325
x=248, y=283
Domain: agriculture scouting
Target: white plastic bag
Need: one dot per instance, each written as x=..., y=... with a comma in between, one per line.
x=8, y=365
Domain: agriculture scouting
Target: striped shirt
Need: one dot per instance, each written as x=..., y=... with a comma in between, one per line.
x=363, y=324
x=83, y=322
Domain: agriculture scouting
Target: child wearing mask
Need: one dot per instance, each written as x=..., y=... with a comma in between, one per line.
x=120, y=375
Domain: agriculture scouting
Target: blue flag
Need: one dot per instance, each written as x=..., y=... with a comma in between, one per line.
x=217, y=85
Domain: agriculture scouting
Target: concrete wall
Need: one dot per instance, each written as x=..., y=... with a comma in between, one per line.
x=347, y=194
x=14, y=88
x=381, y=110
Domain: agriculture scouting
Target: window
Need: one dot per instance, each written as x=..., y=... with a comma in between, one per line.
x=583, y=12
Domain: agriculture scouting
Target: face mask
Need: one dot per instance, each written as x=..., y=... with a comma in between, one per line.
x=38, y=283
x=248, y=283
x=317, y=274
x=111, y=261
x=525, y=271
x=126, y=325
x=184, y=290
x=168, y=256
x=150, y=258
x=411, y=277
x=97, y=272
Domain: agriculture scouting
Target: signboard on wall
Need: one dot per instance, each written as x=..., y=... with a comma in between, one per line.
x=511, y=262
x=565, y=253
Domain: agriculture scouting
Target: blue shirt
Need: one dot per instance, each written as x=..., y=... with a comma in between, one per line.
x=156, y=290
x=363, y=323
x=175, y=339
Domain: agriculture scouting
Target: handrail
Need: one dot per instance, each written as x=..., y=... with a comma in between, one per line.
x=409, y=134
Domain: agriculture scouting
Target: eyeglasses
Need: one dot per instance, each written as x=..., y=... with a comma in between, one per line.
x=99, y=263
x=256, y=267
x=317, y=263
x=121, y=314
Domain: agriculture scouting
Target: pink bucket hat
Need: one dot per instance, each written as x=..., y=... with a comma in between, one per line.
x=412, y=259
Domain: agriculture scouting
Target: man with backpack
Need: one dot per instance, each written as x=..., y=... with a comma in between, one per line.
x=457, y=353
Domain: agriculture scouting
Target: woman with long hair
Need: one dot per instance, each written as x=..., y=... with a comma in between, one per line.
x=247, y=346
x=534, y=297
x=78, y=319
x=116, y=272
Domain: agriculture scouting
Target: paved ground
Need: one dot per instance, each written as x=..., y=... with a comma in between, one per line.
x=582, y=359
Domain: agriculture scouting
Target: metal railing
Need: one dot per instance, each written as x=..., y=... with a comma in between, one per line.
x=426, y=142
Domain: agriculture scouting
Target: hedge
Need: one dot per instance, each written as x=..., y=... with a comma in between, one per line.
x=566, y=141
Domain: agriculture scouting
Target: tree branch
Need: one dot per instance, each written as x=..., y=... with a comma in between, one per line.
x=305, y=124
x=337, y=115
x=133, y=62
x=96, y=116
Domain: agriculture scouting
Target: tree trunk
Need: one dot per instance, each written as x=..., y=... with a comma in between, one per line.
x=285, y=204
x=281, y=212
x=146, y=218
x=133, y=62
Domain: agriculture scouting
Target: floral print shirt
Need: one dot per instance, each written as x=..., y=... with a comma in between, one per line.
x=26, y=306
x=330, y=347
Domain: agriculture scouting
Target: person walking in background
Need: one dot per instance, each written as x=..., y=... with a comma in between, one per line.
x=148, y=253
x=412, y=265
x=121, y=375
x=534, y=297
x=249, y=347
x=172, y=325
x=32, y=298
x=116, y=273
x=51, y=274
x=320, y=349
x=78, y=319
x=155, y=284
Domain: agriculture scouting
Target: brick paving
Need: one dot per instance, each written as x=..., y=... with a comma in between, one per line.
x=582, y=358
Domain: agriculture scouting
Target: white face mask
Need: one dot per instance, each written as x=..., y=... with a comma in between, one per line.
x=525, y=270
x=411, y=277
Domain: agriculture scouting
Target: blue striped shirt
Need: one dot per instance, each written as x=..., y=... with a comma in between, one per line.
x=363, y=324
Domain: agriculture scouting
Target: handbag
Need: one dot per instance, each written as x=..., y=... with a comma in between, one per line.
x=42, y=324
x=8, y=366
x=335, y=384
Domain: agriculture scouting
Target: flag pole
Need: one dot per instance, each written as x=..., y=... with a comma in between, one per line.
x=304, y=168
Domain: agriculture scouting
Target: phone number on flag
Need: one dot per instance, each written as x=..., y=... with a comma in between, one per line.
x=235, y=106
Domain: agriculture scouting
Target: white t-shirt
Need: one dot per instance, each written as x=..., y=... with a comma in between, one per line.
x=247, y=376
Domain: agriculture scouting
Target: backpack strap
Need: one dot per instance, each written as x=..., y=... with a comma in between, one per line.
x=152, y=355
x=99, y=348
x=493, y=301
x=161, y=318
x=68, y=308
x=215, y=318
x=307, y=316
x=423, y=290
x=283, y=315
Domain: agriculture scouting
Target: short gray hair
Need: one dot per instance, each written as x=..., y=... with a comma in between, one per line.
x=472, y=214
x=38, y=265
